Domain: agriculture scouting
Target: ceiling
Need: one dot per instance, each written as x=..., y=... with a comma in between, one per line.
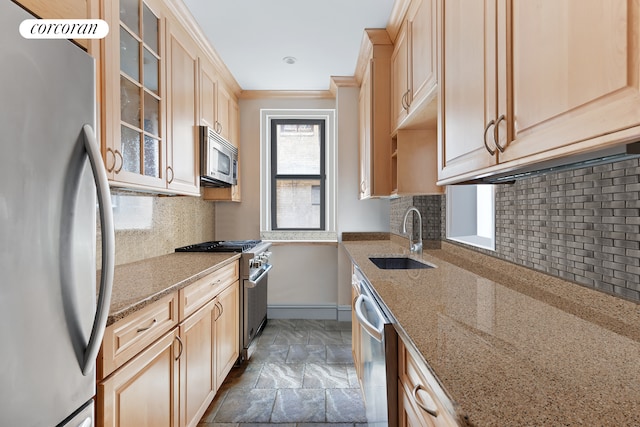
x=253, y=36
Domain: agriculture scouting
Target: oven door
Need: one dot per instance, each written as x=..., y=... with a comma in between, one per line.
x=254, y=309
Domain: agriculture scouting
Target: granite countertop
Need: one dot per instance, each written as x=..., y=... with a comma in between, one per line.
x=140, y=283
x=512, y=346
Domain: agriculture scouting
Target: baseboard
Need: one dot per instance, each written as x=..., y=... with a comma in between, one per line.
x=314, y=312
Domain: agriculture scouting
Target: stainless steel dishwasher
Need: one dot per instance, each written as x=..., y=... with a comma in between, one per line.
x=379, y=356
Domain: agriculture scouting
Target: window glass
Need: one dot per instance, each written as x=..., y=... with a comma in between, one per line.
x=297, y=175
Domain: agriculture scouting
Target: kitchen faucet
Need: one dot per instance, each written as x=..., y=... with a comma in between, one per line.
x=413, y=247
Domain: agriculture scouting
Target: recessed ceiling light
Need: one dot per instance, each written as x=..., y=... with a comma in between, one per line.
x=289, y=60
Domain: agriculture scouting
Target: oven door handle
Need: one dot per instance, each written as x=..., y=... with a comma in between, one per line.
x=366, y=325
x=253, y=283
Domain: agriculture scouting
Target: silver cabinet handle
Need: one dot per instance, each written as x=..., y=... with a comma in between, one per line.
x=486, y=129
x=177, y=338
x=366, y=325
x=148, y=327
x=108, y=249
x=117, y=153
x=495, y=133
x=422, y=405
x=170, y=169
x=110, y=169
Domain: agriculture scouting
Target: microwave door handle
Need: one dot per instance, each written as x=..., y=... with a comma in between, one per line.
x=108, y=249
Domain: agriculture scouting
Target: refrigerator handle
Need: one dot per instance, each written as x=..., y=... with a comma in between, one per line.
x=108, y=249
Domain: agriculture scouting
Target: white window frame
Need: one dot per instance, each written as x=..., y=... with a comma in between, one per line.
x=471, y=219
x=329, y=233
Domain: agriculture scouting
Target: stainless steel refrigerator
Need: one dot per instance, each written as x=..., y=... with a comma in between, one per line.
x=51, y=176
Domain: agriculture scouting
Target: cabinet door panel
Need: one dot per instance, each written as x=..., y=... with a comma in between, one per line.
x=227, y=331
x=144, y=392
x=469, y=91
x=197, y=386
x=575, y=73
x=423, y=51
x=400, y=75
x=182, y=77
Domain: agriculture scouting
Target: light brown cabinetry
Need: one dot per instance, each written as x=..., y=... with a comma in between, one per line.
x=525, y=82
x=155, y=371
x=227, y=336
x=130, y=335
x=145, y=391
x=414, y=68
x=414, y=162
x=218, y=103
x=133, y=93
x=183, y=159
x=159, y=84
x=374, y=112
x=197, y=379
x=220, y=111
x=419, y=403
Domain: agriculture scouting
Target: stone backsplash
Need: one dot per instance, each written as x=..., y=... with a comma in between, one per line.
x=148, y=226
x=581, y=225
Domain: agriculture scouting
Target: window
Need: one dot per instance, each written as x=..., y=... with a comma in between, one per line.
x=471, y=215
x=297, y=175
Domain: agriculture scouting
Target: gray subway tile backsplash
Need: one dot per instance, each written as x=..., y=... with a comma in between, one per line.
x=581, y=225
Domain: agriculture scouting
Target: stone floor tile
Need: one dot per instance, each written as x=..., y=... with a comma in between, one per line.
x=299, y=405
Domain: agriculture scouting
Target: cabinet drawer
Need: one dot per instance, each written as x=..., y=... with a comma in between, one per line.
x=425, y=402
x=204, y=290
x=129, y=336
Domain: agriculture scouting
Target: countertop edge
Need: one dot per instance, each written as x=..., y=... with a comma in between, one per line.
x=141, y=302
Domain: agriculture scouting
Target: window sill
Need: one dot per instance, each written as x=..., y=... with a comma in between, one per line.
x=300, y=236
x=477, y=241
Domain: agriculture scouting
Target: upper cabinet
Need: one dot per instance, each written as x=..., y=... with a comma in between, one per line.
x=219, y=110
x=374, y=113
x=159, y=83
x=414, y=67
x=183, y=159
x=524, y=82
x=133, y=88
x=219, y=106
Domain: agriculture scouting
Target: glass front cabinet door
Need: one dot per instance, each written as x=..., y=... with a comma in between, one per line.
x=133, y=94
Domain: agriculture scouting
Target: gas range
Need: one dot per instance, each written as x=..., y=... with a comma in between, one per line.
x=255, y=253
x=221, y=246
x=254, y=270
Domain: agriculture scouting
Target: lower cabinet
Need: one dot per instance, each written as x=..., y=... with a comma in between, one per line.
x=197, y=364
x=226, y=335
x=145, y=391
x=171, y=380
x=421, y=402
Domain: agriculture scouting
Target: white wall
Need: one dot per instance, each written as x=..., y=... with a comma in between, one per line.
x=353, y=214
x=310, y=280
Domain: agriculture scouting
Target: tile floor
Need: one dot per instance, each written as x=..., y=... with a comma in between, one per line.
x=301, y=374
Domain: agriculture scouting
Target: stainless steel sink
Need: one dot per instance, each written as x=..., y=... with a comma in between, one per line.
x=398, y=263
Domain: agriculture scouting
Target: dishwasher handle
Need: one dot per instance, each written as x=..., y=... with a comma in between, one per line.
x=370, y=329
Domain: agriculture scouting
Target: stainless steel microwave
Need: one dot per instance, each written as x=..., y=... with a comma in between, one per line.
x=218, y=160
